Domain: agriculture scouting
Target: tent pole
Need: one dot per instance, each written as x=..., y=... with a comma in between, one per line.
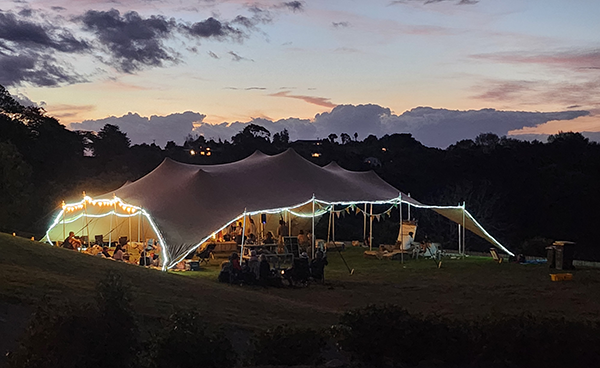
x=139, y=224
x=365, y=223
x=408, y=204
x=312, y=237
x=459, y=238
x=110, y=227
x=371, y=228
x=401, y=234
x=464, y=233
x=243, y=234
x=333, y=226
x=329, y=224
x=289, y=216
x=64, y=229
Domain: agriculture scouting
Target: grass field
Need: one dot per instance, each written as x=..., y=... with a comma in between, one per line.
x=31, y=272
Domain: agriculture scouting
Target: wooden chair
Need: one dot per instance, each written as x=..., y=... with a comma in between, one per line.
x=495, y=255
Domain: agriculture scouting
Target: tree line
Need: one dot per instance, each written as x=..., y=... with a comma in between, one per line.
x=526, y=194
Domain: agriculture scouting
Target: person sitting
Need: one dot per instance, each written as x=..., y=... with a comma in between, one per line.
x=253, y=263
x=269, y=238
x=118, y=253
x=105, y=252
x=71, y=242
x=317, y=267
x=235, y=269
x=408, y=242
x=145, y=258
x=155, y=260
x=299, y=272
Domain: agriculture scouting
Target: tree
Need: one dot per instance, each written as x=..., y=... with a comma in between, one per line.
x=345, y=138
x=110, y=142
x=332, y=137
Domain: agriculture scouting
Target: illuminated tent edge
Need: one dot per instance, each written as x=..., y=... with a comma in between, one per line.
x=181, y=203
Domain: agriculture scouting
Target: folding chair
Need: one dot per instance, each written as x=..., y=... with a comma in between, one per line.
x=99, y=240
x=206, y=253
x=495, y=255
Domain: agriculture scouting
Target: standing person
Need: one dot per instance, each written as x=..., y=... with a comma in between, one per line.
x=282, y=231
x=71, y=242
x=251, y=229
x=302, y=239
x=239, y=233
x=264, y=271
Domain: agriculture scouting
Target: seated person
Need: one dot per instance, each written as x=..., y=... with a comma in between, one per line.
x=235, y=269
x=105, y=252
x=409, y=242
x=299, y=272
x=71, y=242
x=317, y=267
x=269, y=239
x=118, y=253
x=155, y=260
x=253, y=263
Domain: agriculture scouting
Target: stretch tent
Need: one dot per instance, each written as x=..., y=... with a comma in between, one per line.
x=184, y=205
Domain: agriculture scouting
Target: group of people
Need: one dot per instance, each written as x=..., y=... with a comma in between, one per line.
x=148, y=256
x=256, y=270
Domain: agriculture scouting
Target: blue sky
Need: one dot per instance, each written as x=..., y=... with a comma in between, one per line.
x=288, y=64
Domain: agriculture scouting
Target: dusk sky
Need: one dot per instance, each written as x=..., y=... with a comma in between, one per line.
x=442, y=70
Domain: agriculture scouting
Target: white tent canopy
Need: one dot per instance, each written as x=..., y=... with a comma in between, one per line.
x=185, y=204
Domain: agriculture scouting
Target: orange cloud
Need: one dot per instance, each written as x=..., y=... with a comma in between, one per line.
x=320, y=101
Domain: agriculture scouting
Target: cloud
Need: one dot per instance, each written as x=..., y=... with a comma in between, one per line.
x=577, y=92
x=432, y=127
x=29, y=49
x=340, y=24
x=140, y=129
x=213, y=28
x=36, y=68
x=236, y=57
x=320, y=101
x=582, y=60
x=213, y=55
x=294, y=5
x=427, y=2
x=20, y=33
x=131, y=40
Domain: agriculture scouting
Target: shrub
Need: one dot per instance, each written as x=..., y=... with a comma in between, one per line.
x=103, y=335
x=388, y=334
x=284, y=345
x=186, y=342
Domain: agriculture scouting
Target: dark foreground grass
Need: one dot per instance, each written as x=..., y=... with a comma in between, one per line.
x=31, y=272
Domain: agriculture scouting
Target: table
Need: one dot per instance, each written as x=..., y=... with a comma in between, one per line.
x=271, y=248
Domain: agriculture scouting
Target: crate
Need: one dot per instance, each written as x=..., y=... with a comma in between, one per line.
x=561, y=276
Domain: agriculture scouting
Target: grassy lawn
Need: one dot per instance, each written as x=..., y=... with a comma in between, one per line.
x=31, y=272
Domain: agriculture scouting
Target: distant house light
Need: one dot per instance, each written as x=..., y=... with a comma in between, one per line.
x=208, y=148
x=202, y=153
x=316, y=154
x=384, y=149
x=192, y=152
x=208, y=153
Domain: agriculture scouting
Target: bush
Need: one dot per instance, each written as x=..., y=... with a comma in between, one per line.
x=186, y=342
x=389, y=335
x=103, y=335
x=286, y=345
